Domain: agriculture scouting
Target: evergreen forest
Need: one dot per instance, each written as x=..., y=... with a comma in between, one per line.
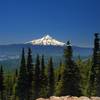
x=42, y=80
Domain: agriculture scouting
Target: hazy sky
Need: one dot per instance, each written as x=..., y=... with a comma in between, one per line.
x=24, y=20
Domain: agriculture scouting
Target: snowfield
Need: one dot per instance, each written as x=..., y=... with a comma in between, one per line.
x=46, y=40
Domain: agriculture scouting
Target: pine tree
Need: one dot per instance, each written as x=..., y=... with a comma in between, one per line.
x=84, y=67
x=37, y=80
x=51, y=78
x=94, y=88
x=30, y=75
x=16, y=73
x=15, y=77
x=43, y=92
x=10, y=86
x=69, y=83
x=1, y=83
x=59, y=71
x=58, y=78
x=22, y=83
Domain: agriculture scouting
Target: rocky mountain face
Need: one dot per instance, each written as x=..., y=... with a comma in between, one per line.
x=70, y=98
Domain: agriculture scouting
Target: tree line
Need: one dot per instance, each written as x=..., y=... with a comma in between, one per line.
x=40, y=79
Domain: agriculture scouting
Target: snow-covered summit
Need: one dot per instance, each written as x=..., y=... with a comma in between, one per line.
x=46, y=40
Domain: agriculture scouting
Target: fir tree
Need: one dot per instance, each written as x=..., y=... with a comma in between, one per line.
x=22, y=83
x=84, y=67
x=43, y=92
x=10, y=86
x=16, y=73
x=59, y=71
x=51, y=78
x=30, y=75
x=15, y=77
x=1, y=83
x=69, y=83
x=94, y=88
x=58, y=78
x=37, y=80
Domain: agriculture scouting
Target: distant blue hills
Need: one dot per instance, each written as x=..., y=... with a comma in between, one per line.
x=9, y=54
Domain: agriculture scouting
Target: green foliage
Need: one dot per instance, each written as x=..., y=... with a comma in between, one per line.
x=43, y=91
x=51, y=78
x=69, y=83
x=37, y=80
x=94, y=88
x=59, y=84
x=2, y=87
x=22, y=83
x=30, y=70
x=9, y=83
x=58, y=72
x=84, y=67
x=75, y=78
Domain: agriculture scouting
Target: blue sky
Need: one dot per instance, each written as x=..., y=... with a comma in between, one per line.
x=24, y=20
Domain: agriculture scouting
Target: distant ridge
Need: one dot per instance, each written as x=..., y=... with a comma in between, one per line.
x=46, y=40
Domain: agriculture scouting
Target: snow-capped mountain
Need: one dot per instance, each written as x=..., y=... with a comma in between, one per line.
x=46, y=40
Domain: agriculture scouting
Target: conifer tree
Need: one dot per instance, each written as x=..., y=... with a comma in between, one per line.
x=94, y=88
x=58, y=82
x=16, y=72
x=51, y=78
x=84, y=67
x=22, y=83
x=37, y=80
x=1, y=83
x=69, y=83
x=43, y=92
x=30, y=75
x=59, y=71
x=15, y=77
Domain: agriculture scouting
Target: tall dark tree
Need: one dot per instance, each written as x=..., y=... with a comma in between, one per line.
x=59, y=71
x=1, y=83
x=15, y=76
x=37, y=80
x=9, y=85
x=94, y=88
x=22, y=83
x=43, y=91
x=30, y=74
x=69, y=83
x=51, y=78
x=58, y=79
x=16, y=72
x=84, y=67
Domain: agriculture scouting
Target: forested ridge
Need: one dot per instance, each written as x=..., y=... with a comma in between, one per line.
x=40, y=79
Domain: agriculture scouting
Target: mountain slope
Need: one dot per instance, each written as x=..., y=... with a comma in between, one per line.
x=46, y=40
